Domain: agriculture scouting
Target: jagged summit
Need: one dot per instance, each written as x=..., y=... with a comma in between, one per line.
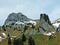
x=45, y=18
x=14, y=17
x=45, y=23
x=17, y=17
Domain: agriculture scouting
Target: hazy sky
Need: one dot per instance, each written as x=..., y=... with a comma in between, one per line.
x=31, y=8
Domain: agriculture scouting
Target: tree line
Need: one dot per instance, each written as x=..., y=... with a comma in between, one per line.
x=20, y=41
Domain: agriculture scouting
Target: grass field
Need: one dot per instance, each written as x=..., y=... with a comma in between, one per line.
x=40, y=40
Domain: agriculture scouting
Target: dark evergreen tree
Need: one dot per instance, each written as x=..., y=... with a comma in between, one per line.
x=14, y=42
x=50, y=37
x=20, y=42
x=3, y=27
x=9, y=40
x=31, y=41
x=23, y=38
x=38, y=30
x=8, y=35
x=33, y=26
x=25, y=28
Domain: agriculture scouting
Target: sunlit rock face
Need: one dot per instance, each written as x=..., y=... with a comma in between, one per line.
x=14, y=17
x=18, y=20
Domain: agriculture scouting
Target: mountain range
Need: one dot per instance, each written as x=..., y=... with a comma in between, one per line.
x=16, y=19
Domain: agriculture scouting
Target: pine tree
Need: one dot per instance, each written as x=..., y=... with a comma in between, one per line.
x=20, y=42
x=33, y=26
x=23, y=38
x=25, y=28
x=14, y=42
x=9, y=40
x=3, y=28
x=31, y=41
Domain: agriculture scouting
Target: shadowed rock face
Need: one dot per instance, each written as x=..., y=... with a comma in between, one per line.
x=45, y=17
x=45, y=22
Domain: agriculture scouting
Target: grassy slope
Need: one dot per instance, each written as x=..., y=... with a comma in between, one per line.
x=41, y=40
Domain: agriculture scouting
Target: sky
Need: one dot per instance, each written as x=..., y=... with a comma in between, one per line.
x=30, y=8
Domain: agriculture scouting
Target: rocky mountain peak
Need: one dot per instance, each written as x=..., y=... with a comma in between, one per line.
x=14, y=17
x=45, y=18
x=45, y=23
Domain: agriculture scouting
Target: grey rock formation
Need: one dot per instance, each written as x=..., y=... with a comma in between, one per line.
x=45, y=23
x=14, y=17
